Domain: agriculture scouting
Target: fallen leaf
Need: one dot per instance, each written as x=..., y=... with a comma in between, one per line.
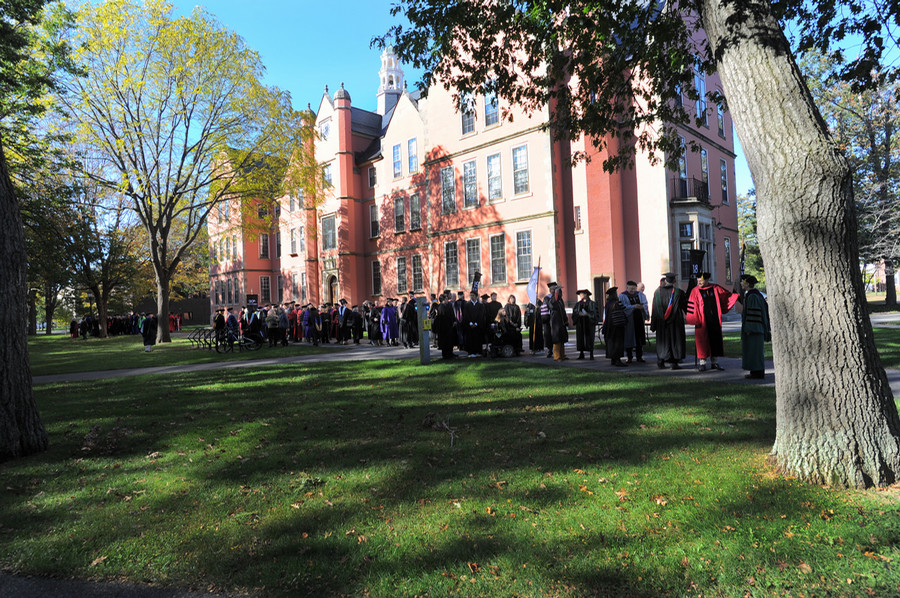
x=804, y=568
x=474, y=567
x=97, y=561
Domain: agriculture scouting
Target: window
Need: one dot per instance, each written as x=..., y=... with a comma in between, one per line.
x=212, y=253
x=704, y=174
x=325, y=129
x=727, y=242
x=376, y=277
x=720, y=114
x=399, y=215
x=412, y=154
x=329, y=237
x=218, y=287
x=278, y=244
x=415, y=212
x=228, y=288
x=301, y=234
x=451, y=264
x=723, y=167
x=577, y=217
x=293, y=241
x=470, y=185
x=700, y=84
x=237, y=291
x=498, y=259
x=374, y=228
x=277, y=209
x=448, y=190
x=705, y=229
x=491, y=111
x=227, y=210
x=373, y=177
x=520, y=169
x=678, y=99
x=264, y=246
x=262, y=211
x=468, y=114
x=418, y=281
x=291, y=204
x=473, y=258
x=682, y=161
x=686, y=247
x=280, y=288
x=523, y=255
x=293, y=286
x=303, y=287
x=234, y=252
x=398, y=166
x=401, y=276
x=686, y=230
x=326, y=173
x=265, y=291
x=495, y=189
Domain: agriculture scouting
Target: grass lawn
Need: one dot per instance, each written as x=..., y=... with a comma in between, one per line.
x=59, y=354
x=485, y=478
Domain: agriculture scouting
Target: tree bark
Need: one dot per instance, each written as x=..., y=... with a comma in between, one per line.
x=51, y=302
x=836, y=420
x=32, y=312
x=21, y=430
x=162, y=308
x=890, y=283
x=102, y=309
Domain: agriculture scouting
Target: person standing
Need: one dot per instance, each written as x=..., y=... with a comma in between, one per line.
x=614, y=322
x=410, y=315
x=513, y=312
x=755, y=329
x=148, y=331
x=637, y=313
x=706, y=304
x=584, y=317
x=389, y=322
x=473, y=315
x=535, y=328
x=559, y=324
x=667, y=320
x=445, y=323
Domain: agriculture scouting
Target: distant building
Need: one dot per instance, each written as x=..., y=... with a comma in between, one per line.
x=424, y=196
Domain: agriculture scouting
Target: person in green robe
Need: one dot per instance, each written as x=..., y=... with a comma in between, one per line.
x=755, y=329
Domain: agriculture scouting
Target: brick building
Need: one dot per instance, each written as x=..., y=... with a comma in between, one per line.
x=424, y=195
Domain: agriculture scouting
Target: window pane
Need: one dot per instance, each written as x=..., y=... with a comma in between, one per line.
x=468, y=114
x=412, y=151
x=264, y=246
x=418, y=283
x=373, y=176
x=329, y=239
x=686, y=260
x=494, y=186
x=451, y=264
x=415, y=213
x=523, y=255
x=470, y=185
x=398, y=168
x=376, y=278
x=520, y=169
x=498, y=259
x=491, y=111
x=448, y=190
x=473, y=258
x=399, y=215
x=727, y=243
x=723, y=167
x=374, y=228
x=401, y=275
x=265, y=292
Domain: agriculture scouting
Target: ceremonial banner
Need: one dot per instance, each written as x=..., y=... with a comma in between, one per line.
x=531, y=289
x=476, y=278
x=697, y=256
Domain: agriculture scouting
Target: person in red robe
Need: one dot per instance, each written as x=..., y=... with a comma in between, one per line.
x=706, y=304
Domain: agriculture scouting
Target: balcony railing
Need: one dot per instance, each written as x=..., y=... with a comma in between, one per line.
x=689, y=189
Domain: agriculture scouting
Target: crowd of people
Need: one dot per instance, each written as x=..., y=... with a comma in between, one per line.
x=476, y=325
x=89, y=324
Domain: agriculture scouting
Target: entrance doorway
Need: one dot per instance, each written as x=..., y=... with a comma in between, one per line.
x=332, y=290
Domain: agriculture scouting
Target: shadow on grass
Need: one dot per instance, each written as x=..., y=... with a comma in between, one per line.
x=392, y=479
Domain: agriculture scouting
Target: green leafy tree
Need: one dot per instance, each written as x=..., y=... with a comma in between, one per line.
x=753, y=264
x=611, y=70
x=865, y=125
x=177, y=112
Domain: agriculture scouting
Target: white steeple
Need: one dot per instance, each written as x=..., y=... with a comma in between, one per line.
x=392, y=84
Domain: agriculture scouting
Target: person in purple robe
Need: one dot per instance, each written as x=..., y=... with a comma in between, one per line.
x=389, y=324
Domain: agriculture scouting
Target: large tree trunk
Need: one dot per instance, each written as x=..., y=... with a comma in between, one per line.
x=21, y=430
x=32, y=312
x=102, y=310
x=51, y=301
x=836, y=417
x=890, y=283
x=162, y=308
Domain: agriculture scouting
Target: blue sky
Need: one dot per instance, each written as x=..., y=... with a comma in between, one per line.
x=308, y=44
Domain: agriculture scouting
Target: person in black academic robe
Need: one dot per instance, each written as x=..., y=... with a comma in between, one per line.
x=667, y=318
x=445, y=324
x=545, y=324
x=148, y=331
x=559, y=324
x=411, y=318
x=474, y=324
x=535, y=328
x=614, y=322
x=584, y=317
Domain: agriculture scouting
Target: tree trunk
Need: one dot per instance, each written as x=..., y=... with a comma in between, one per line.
x=21, y=430
x=890, y=283
x=32, y=313
x=51, y=301
x=836, y=420
x=162, y=308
